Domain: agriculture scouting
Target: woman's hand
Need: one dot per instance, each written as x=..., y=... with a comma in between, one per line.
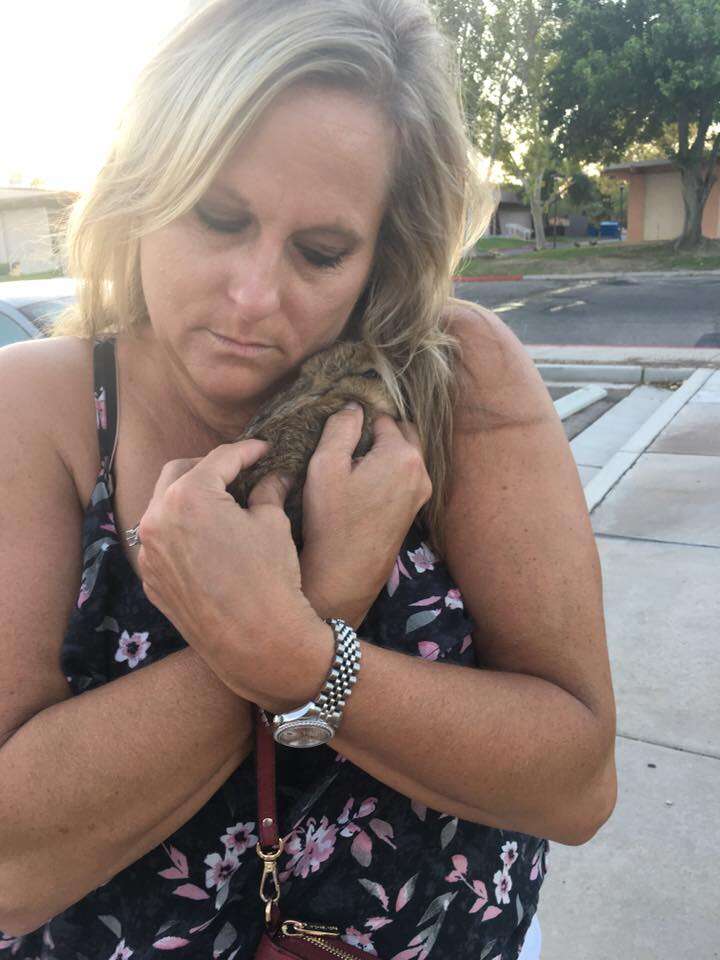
x=356, y=514
x=228, y=578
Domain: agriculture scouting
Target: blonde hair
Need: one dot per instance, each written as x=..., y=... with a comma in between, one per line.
x=201, y=92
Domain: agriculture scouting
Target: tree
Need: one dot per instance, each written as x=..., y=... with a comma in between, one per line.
x=522, y=32
x=504, y=49
x=626, y=72
x=465, y=23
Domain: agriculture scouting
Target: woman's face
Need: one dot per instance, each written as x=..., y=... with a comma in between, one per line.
x=274, y=255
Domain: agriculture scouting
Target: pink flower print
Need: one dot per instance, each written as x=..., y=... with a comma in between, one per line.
x=428, y=650
x=122, y=952
x=319, y=845
x=460, y=864
x=357, y=939
x=509, y=853
x=239, y=838
x=84, y=593
x=220, y=869
x=423, y=558
x=109, y=525
x=101, y=418
x=453, y=599
x=132, y=648
x=503, y=886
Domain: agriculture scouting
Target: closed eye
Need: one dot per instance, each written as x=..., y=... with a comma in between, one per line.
x=313, y=257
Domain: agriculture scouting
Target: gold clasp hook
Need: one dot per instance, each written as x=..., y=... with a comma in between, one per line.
x=269, y=874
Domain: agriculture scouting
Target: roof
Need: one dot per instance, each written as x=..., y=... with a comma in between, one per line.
x=658, y=165
x=21, y=292
x=508, y=195
x=12, y=198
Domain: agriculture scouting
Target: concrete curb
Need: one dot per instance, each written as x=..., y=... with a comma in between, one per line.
x=640, y=274
x=656, y=362
x=618, y=465
x=578, y=400
x=605, y=373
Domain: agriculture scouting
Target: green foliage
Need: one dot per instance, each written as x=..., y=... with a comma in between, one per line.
x=465, y=24
x=626, y=69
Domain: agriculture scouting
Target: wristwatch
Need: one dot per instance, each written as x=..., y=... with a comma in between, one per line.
x=317, y=721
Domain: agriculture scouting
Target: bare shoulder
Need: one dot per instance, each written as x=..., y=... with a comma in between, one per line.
x=48, y=384
x=44, y=419
x=498, y=382
x=519, y=539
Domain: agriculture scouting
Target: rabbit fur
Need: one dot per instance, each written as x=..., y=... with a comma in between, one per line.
x=293, y=420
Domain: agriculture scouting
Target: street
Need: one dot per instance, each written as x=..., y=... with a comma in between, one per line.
x=682, y=311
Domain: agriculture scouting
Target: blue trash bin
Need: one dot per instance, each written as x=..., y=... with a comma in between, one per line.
x=610, y=229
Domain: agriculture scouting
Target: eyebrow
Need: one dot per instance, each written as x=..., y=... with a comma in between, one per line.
x=336, y=228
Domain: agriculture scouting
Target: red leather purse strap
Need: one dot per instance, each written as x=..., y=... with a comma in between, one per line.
x=265, y=771
x=270, y=846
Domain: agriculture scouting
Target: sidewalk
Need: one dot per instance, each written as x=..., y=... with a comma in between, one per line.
x=645, y=887
x=587, y=275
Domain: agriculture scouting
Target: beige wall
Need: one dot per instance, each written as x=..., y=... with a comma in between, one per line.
x=664, y=211
x=656, y=210
x=711, y=213
x=26, y=234
x=636, y=208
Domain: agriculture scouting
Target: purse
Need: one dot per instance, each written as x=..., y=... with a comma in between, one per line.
x=285, y=939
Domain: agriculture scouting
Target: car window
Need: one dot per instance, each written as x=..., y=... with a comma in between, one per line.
x=42, y=312
x=11, y=331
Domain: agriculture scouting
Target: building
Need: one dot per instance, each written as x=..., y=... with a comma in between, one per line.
x=29, y=227
x=655, y=209
x=512, y=216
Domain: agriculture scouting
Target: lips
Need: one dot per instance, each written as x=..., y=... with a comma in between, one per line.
x=240, y=343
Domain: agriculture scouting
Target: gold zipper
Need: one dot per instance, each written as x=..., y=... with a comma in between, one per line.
x=314, y=934
x=325, y=946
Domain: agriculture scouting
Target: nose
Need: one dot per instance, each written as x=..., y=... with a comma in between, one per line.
x=254, y=284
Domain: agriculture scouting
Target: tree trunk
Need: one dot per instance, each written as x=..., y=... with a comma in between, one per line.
x=694, y=197
x=536, y=209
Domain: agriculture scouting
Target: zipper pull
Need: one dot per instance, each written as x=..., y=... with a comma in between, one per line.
x=296, y=928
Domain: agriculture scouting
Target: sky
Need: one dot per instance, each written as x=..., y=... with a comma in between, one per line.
x=66, y=68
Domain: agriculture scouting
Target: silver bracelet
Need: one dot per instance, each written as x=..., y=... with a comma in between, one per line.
x=317, y=721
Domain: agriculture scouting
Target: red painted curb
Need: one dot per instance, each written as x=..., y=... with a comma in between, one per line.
x=489, y=278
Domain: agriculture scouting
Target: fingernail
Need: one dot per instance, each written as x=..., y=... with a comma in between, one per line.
x=352, y=405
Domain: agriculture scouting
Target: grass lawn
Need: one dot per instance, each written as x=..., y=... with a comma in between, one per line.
x=501, y=243
x=32, y=276
x=604, y=258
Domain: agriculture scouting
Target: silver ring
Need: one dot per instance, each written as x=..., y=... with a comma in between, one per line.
x=133, y=537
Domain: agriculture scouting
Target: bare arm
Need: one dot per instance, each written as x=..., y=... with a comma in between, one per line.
x=79, y=782
x=108, y=775
x=528, y=743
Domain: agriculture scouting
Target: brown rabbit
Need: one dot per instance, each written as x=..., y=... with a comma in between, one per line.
x=293, y=421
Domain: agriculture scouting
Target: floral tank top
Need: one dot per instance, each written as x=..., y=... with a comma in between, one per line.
x=402, y=881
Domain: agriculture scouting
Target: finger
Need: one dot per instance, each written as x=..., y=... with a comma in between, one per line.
x=271, y=489
x=222, y=465
x=386, y=431
x=342, y=432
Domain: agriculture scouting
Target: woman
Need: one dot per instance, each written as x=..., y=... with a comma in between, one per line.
x=286, y=174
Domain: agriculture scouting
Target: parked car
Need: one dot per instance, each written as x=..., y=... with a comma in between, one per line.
x=27, y=307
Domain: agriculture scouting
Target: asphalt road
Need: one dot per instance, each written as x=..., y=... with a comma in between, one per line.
x=620, y=311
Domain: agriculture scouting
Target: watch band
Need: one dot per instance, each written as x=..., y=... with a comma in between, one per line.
x=317, y=721
x=343, y=673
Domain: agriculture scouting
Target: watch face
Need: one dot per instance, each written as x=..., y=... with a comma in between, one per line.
x=304, y=733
